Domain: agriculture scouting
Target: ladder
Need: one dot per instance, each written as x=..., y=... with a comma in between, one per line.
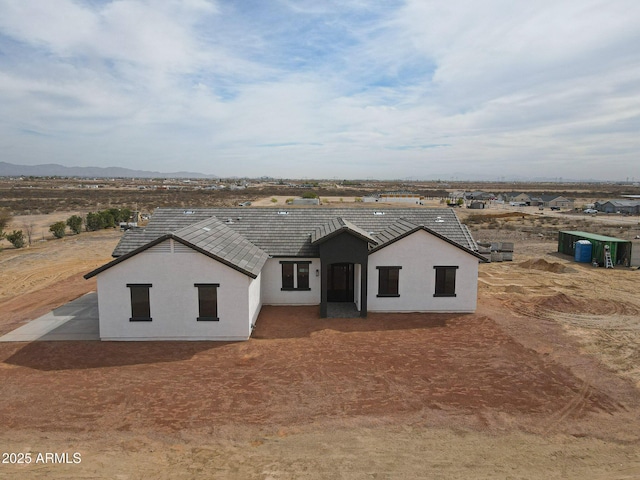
x=608, y=263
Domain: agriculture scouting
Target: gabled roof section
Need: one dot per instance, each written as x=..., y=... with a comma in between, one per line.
x=212, y=238
x=404, y=228
x=164, y=220
x=622, y=203
x=337, y=226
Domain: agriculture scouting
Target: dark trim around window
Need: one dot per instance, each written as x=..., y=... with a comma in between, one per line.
x=207, y=302
x=445, y=281
x=389, y=281
x=295, y=275
x=140, y=305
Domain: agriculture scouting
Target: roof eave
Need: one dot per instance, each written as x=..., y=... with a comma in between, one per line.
x=434, y=233
x=158, y=240
x=130, y=254
x=337, y=232
x=214, y=257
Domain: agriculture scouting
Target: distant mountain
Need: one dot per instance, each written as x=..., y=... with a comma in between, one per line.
x=55, y=170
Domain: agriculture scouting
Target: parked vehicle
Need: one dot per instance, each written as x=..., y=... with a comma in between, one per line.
x=555, y=208
x=590, y=210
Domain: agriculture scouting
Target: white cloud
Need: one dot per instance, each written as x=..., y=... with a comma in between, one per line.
x=403, y=89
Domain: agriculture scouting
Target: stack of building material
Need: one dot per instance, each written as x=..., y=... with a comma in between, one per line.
x=507, y=251
x=484, y=249
x=496, y=251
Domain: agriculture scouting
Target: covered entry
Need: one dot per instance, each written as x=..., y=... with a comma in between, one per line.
x=344, y=256
x=340, y=282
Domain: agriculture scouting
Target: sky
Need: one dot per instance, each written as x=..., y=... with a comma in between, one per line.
x=394, y=89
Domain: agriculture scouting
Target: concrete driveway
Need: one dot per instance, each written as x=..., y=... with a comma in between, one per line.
x=77, y=320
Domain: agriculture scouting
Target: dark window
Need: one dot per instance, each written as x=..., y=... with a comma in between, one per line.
x=445, y=281
x=388, y=281
x=287, y=276
x=140, y=307
x=207, y=301
x=295, y=275
x=303, y=276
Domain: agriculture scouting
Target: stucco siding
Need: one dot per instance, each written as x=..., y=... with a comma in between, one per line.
x=417, y=254
x=272, y=293
x=255, y=299
x=173, y=297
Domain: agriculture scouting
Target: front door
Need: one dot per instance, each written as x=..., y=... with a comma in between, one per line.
x=340, y=282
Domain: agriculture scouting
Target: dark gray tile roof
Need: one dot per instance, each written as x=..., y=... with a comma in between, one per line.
x=337, y=226
x=216, y=238
x=288, y=233
x=403, y=228
x=397, y=230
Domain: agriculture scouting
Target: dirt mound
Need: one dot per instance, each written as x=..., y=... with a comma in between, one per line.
x=515, y=289
x=542, y=264
x=565, y=304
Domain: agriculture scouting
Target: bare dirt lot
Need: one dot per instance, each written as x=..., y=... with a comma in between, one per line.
x=541, y=382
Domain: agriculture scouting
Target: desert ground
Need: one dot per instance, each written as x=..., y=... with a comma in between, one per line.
x=543, y=381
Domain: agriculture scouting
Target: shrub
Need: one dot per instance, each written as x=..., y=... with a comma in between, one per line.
x=118, y=214
x=309, y=195
x=16, y=238
x=58, y=229
x=274, y=200
x=94, y=221
x=106, y=218
x=75, y=223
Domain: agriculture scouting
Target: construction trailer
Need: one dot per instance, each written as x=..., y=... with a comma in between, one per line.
x=620, y=249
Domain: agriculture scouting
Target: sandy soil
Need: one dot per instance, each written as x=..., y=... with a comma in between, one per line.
x=36, y=279
x=541, y=382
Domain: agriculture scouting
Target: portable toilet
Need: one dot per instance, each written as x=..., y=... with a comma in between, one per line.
x=583, y=251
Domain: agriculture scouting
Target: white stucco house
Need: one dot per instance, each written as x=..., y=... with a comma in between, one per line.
x=204, y=274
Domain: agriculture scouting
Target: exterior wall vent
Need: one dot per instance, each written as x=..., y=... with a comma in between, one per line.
x=180, y=248
x=163, y=247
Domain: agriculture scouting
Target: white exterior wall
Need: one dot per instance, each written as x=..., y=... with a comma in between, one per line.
x=174, y=299
x=272, y=293
x=255, y=299
x=417, y=254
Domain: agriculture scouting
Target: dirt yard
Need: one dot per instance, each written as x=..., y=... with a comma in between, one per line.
x=541, y=382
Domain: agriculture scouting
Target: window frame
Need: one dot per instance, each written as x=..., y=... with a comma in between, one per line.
x=202, y=288
x=136, y=303
x=297, y=274
x=387, y=270
x=441, y=288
